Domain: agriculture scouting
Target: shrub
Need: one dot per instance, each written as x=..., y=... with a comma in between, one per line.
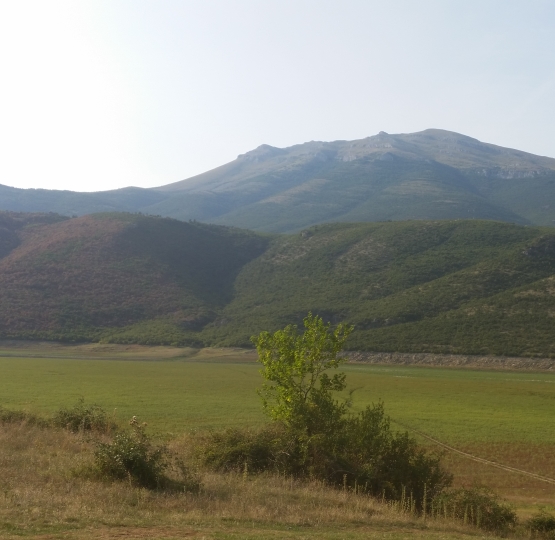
x=389, y=464
x=132, y=456
x=271, y=448
x=365, y=456
x=477, y=506
x=83, y=417
x=8, y=416
x=542, y=525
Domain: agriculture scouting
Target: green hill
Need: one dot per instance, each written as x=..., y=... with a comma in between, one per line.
x=433, y=174
x=410, y=286
x=84, y=278
x=463, y=286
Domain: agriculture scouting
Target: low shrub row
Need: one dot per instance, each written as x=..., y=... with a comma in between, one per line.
x=365, y=455
x=120, y=454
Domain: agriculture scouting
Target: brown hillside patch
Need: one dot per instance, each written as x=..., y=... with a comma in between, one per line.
x=79, y=276
x=73, y=274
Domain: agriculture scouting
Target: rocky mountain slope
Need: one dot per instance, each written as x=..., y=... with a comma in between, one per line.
x=433, y=174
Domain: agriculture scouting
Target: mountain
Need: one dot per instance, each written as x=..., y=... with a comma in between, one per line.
x=433, y=174
x=461, y=286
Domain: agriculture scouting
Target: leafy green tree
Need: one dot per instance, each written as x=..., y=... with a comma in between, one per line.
x=298, y=391
x=318, y=437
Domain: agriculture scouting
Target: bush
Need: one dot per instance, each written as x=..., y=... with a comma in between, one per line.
x=8, y=416
x=364, y=455
x=542, y=525
x=83, y=417
x=271, y=448
x=132, y=456
x=477, y=506
x=389, y=464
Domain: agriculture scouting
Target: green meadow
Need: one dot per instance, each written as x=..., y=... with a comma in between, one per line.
x=502, y=416
x=176, y=395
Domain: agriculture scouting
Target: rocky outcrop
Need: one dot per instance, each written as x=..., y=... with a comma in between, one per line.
x=453, y=360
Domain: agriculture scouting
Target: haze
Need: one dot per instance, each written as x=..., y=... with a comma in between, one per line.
x=103, y=94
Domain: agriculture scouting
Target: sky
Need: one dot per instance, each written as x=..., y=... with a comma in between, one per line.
x=102, y=94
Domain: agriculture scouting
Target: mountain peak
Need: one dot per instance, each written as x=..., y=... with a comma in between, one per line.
x=260, y=153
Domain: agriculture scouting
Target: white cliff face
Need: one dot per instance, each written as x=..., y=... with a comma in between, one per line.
x=510, y=173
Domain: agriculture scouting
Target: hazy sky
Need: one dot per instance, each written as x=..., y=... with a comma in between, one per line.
x=103, y=94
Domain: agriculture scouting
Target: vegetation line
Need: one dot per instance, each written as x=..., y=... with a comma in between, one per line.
x=476, y=458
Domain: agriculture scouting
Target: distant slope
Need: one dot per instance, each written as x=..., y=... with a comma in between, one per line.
x=433, y=174
x=86, y=277
x=71, y=203
x=466, y=286
x=455, y=286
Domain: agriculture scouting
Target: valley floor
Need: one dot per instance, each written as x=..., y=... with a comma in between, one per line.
x=501, y=415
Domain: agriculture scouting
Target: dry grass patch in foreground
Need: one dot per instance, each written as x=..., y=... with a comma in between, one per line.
x=41, y=497
x=527, y=494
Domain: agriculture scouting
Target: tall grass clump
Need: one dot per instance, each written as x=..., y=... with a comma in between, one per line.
x=82, y=417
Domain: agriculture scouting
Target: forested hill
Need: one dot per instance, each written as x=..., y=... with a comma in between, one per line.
x=81, y=278
x=433, y=174
x=470, y=287
x=443, y=286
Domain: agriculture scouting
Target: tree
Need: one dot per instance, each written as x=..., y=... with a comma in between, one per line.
x=298, y=392
x=319, y=438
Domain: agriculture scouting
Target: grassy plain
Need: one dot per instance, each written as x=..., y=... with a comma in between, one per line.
x=503, y=416
x=180, y=389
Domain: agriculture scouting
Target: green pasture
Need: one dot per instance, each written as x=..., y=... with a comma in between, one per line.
x=175, y=395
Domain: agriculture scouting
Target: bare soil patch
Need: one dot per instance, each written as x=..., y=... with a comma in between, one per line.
x=454, y=361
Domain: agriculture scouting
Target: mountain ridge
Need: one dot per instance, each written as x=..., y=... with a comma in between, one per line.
x=432, y=174
x=409, y=145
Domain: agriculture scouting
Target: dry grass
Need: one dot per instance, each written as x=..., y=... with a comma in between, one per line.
x=40, y=497
x=526, y=493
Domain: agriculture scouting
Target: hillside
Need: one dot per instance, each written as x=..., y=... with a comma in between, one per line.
x=433, y=174
x=445, y=286
x=471, y=287
x=82, y=278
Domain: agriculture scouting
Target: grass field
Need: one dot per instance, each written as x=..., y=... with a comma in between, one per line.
x=502, y=416
x=216, y=388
